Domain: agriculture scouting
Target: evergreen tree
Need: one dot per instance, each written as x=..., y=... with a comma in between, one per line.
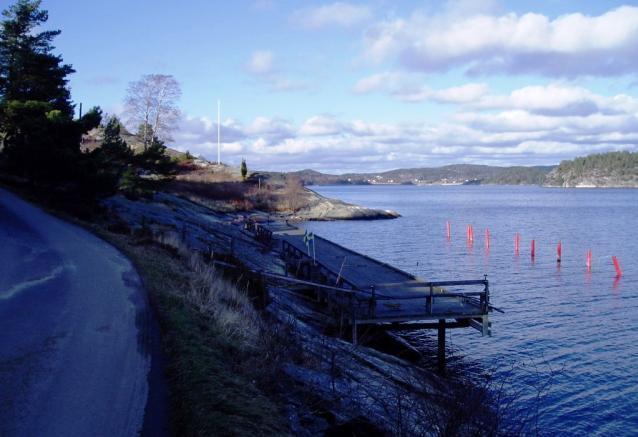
x=28, y=69
x=243, y=168
x=113, y=146
x=112, y=160
x=154, y=158
x=40, y=139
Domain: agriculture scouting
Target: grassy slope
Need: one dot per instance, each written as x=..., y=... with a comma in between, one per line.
x=210, y=396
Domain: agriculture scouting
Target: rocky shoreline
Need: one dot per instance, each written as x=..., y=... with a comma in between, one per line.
x=320, y=208
x=329, y=385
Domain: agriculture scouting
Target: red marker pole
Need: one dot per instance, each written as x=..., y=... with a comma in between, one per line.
x=517, y=243
x=617, y=266
x=588, y=260
x=559, y=251
x=448, y=229
x=487, y=238
x=533, y=249
x=472, y=233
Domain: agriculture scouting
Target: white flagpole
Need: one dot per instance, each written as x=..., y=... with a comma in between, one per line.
x=219, y=150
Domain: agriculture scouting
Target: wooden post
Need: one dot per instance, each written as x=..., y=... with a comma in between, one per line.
x=431, y=298
x=486, y=309
x=441, y=348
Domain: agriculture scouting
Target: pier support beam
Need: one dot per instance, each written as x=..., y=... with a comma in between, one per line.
x=441, y=348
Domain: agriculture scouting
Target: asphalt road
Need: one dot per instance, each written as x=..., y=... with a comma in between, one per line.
x=75, y=330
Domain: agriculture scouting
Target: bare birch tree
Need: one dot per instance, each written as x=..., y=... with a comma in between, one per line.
x=293, y=192
x=151, y=104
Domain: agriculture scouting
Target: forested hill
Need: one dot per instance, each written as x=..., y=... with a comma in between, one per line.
x=612, y=169
x=449, y=174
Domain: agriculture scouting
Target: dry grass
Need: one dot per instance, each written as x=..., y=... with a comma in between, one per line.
x=224, y=304
x=224, y=189
x=212, y=336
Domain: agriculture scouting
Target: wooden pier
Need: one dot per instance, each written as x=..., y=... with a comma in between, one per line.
x=357, y=290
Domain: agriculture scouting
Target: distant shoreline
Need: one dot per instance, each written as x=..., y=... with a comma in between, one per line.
x=467, y=185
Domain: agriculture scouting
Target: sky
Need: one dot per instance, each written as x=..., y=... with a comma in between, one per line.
x=369, y=86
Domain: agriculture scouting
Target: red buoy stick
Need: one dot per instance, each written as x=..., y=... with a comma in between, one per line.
x=448, y=228
x=533, y=248
x=517, y=243
x=559, y=251
x=616, y=266
x=588, y=260
x=487, y=238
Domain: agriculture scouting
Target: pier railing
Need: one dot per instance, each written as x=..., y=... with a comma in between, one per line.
x=481, y=299
x=363, y=302
x=347, y=300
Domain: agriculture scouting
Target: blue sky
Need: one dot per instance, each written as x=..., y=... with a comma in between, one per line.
x=359, y=86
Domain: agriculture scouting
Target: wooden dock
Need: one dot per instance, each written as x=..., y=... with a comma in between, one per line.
x=357, y=290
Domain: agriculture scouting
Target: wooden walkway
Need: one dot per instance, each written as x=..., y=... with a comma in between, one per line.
x=358, y=290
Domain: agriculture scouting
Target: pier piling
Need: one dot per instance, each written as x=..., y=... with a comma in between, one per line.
x=441, y=346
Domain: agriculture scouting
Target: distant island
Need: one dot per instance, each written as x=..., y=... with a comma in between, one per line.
x=604, y=170
x=456, y=174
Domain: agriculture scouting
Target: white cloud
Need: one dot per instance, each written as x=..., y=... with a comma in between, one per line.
x=198, y=135
x=320, y=125
x=530, y=125
x=337, y=14
x=407, y=88
x=376, y=82
x=261, y=66
x=469, y=92
x=567, y=46
x=261, y=62
x=559, y=100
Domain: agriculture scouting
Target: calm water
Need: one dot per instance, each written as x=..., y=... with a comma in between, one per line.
x=581, y=326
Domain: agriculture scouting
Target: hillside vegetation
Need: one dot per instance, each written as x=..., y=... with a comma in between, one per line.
x=449, y=174
x=612, y=169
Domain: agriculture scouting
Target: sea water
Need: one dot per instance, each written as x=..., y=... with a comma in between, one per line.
x=567, y=334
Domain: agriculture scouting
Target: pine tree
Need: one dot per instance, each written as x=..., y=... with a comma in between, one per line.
x=154, y=158
x=39, y=136
x=28, y=68
x=112, y=161
x=243, y=168
x=113, y=146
